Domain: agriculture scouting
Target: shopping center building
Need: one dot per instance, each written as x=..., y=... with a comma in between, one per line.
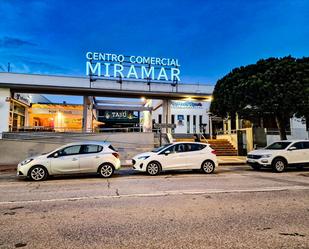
x=112, y=108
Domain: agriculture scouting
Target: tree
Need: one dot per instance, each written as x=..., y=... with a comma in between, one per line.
x=303, y=74
x=275, y=86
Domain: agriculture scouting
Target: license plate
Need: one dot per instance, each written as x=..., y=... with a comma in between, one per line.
x=250, y=161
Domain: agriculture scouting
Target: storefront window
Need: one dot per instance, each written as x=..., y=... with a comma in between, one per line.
x=17, y=116
x=188, y=124
x=173, y=122
x=201, y=124
x=194, y=123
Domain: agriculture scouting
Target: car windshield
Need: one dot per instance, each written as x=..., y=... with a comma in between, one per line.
x=278, y=146
x=160, y=148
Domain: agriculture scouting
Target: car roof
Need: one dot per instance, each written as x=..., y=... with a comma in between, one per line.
x=293, y=140
x=186, y=142
x=102, y=143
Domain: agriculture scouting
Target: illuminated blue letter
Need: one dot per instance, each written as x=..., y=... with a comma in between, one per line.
x=133, y=72
x=119, y=71
x=175, y=74
x=147, y=72
x=93, y=70
x=162, y=73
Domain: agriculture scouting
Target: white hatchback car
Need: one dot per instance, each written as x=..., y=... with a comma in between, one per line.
x=82, y=157
x=177, y=156
x=280, y=155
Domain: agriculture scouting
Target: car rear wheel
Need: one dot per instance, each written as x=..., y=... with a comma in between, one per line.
x=37, y=173
x=208, y=167
x=153, y=168
x=106, y=170
x=279, y=165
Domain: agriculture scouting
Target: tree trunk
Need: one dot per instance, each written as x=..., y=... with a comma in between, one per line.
x=281, y=126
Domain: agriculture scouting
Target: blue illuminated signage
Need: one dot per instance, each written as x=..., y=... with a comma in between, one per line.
x=186, y=105
x=180, y=117
x=132, y=67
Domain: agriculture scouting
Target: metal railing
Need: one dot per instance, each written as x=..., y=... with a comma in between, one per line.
x=47, y=129
x=227, y=132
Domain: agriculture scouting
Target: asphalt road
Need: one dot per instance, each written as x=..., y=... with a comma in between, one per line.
x=234, y=208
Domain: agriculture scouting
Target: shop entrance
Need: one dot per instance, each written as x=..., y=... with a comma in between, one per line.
x=18, y=113
x=118, y=119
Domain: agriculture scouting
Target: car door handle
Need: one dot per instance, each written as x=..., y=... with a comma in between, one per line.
x=74, y=159
x=97, y=157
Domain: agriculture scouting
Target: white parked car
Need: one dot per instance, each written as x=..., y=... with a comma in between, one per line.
x=82, y=157
x=177, y=156
x=280, y=155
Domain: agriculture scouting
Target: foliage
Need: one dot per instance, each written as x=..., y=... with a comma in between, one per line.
x=276, y=86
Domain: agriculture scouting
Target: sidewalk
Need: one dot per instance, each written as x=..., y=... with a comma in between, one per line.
x=234, y=160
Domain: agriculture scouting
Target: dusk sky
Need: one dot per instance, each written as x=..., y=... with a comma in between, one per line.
x=209, y=38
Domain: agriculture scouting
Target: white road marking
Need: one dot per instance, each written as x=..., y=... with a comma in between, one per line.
x=160, y=193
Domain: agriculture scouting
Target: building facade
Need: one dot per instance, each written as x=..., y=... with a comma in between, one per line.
x=189, y=117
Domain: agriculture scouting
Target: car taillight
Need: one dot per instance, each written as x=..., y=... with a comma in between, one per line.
x=214, y=152
x=116, y=155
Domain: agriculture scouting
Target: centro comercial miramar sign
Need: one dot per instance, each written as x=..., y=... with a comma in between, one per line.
x=132, y=67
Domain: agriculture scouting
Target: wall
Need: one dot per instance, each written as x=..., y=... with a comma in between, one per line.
x=4, y=110
x=295, y=134
x=128, y=145
x=197, y=111
x=298, y=131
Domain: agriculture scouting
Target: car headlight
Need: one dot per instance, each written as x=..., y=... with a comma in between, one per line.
x=26, y=161
x=266, y=156
x=142, y=157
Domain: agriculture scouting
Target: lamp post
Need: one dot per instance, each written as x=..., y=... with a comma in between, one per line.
x=210, y=124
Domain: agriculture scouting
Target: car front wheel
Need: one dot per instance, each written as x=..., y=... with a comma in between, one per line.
x=37, y=173
x=106, y=170
x=208, y=167
x=153, y=168
x=279, y=165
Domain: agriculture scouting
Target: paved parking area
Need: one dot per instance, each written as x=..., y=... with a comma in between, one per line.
x=234, y=208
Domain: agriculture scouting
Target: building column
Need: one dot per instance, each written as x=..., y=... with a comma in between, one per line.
x=147, y=121
x=229, y=125
x=238, y=122
x=87, y=114
x=147, y=117
x=166, y=114
x=5, y=95
x=210, y=127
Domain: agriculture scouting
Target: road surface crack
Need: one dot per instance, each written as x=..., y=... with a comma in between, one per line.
x=281, y=180
x=292, y=234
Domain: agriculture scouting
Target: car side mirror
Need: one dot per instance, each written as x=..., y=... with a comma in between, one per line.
x=56, y=155
x=167, y=152
x=292, y=148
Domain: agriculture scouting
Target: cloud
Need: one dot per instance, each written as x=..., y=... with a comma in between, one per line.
x=36, y=65
x=13, y=42
x=44, y=67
